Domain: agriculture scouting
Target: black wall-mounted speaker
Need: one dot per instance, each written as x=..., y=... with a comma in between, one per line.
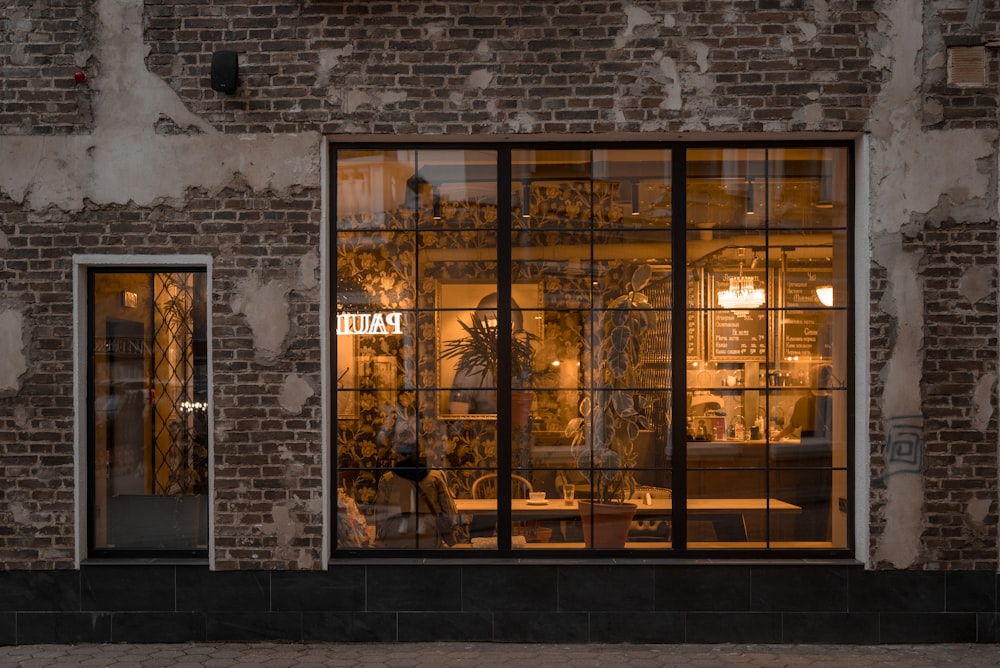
x=224, y=71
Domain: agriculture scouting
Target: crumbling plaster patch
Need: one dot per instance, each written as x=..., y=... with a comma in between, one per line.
x=982, y=400
x=977, y=510
x=918, y=176
x=976, y=283
x=479, y=79
x=356, y=100
x=265, y=306
x=286, y=527
x=328, y=60
x=294, y=393
x=13, y=353
x=114, y=164
x=635, y=17
x=309, y=271
x=19, y=26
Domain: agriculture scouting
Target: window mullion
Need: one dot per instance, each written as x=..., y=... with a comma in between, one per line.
x=503, y=381
x=678, y=344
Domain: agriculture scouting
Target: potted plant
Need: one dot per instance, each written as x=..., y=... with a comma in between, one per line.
x=477, y=355
x=604, y=433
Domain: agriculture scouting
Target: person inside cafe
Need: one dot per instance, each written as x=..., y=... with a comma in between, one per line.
x=413, y=506
x=811, y=416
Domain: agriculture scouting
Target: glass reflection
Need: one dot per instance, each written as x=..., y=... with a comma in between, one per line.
x=577, y=395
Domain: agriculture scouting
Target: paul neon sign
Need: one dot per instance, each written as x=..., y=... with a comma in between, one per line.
x=350, y=324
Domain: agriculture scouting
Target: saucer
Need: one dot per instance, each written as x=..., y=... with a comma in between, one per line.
x=543, y=502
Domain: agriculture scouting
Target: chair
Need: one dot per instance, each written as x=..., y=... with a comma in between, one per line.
x=653, y=529
x=485, y=487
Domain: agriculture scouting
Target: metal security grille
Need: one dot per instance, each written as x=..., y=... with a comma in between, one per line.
x=176, y=455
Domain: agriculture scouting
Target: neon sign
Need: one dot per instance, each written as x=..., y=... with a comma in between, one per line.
x=369, y=323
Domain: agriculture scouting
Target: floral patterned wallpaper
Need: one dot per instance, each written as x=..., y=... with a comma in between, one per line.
x=398, y=259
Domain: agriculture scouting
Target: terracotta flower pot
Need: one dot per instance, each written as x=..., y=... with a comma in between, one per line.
x=520, y=408
x=605, y=525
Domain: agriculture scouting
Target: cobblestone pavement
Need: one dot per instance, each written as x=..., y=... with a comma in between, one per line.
x=433, y=655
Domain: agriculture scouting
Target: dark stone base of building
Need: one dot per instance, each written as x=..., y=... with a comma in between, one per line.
x=572, y=603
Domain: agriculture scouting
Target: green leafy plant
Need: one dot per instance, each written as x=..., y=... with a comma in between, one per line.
x=604, y=433
x=477, y=352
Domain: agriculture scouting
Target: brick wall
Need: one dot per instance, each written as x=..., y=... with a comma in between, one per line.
x=36, y=422
x=960, y=434
x=564, y=66
x=957, y=25
x=41, y=46
x=268, y=460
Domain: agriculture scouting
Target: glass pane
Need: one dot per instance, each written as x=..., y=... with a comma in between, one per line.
x=808, y=187
x=728, y=507
x=725, y=188
x=555, y=189
x=639, y=181
x=404, y=188
x=376, y=271
x=773, y=306
x=598, y=373
x=458, y=189
x=808, y=489
x=559, y=262
x=149, y=407
x=415, y=431
x=375, y=189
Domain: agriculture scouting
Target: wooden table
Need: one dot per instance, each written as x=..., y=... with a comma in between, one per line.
x=726, y=514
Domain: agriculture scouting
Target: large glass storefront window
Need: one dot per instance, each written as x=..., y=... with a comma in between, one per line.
x=518, y=358
x=148, y=428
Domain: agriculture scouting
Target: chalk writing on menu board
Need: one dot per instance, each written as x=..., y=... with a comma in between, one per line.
x=805, y=334
x=738, y=335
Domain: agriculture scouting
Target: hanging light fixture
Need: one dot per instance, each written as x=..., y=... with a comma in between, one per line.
x=526, y=200
x=635, y=198
x=742, y=293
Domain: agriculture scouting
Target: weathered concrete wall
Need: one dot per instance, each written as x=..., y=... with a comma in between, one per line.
x=150, y=176
x=930, y=174
x=143, y=157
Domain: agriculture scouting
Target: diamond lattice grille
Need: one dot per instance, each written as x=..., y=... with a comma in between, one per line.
x=175, y=408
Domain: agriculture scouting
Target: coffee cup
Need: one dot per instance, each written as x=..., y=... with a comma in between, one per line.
x=536, y=496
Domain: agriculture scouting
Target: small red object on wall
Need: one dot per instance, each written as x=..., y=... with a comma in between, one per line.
x=79, y=76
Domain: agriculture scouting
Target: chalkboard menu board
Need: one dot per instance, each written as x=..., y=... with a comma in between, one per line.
x=736, y=335
x=805, y=334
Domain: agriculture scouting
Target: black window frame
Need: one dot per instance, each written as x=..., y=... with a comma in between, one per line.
x=679, y=548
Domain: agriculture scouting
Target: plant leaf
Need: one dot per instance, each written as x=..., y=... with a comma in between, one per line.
x=641, y=276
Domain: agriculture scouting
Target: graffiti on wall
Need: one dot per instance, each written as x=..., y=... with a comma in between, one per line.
x=904, y=451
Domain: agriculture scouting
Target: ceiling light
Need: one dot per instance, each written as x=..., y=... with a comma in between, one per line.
x=742, y=293
x=824, y=294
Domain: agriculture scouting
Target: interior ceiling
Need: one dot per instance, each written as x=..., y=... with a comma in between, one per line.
x=440, y=166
